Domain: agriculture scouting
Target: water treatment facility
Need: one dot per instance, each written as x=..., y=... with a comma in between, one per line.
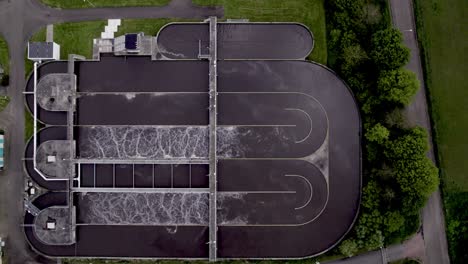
x=212, y=140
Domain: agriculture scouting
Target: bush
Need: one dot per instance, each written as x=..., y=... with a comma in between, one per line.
x=4, y=100
x=393, y=221
x=377, y=133
x=348, y=248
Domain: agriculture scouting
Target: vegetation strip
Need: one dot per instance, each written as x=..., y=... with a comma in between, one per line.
x=442, y=37
x=4, y=62
x=398, y=177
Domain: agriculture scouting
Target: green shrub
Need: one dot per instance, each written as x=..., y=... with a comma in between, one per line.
x=348, y=248
x=377, y=133
x=4, y=100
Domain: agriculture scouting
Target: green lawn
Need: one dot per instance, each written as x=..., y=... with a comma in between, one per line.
x=4, y=61
x=309, y=12
x=103, y=3
x=444, y=39
x=77, y=38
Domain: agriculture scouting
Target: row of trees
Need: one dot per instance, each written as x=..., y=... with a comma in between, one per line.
x=397, y=176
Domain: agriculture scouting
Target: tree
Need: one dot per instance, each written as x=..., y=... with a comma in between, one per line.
x=374, y=241
x=388, y=52
x=348, y=247
x=351, y=7
x=348, y=15
x=412, y=203
x=397, y=86
x=378, y=133
x=354, y=55
x=396, y=119
x=334, y=39
x=371, y=195
x=368, y=224
x=417, y=177
x=393, y=221
x=413, y=144
x=368, y=230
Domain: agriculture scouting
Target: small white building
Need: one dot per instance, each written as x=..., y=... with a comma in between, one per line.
x=43, y=51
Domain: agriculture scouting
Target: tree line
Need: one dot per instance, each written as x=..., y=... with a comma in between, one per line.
x=369, y=54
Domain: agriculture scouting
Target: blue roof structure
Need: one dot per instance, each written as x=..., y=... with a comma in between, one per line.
x=131, y=41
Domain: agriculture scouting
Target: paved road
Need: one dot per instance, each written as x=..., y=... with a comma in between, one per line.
x=19, y=20
x=417, y=113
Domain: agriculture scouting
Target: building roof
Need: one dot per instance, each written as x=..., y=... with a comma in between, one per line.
x=39, y=50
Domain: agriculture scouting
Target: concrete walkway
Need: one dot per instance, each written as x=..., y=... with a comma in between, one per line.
x=417, y=113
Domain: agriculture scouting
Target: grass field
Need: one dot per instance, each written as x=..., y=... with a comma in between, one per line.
x=4, y=58
x=444, y=41
x=77, y=38
x=103, y=3
x=309, y=12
